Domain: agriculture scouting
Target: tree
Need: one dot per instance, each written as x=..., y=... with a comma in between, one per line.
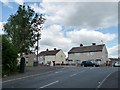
x=22, y=28
x=9, y=56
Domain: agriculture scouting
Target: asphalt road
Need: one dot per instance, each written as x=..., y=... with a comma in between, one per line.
x=69, y=77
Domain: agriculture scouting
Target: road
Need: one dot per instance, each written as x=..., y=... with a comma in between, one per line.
x=69, y=77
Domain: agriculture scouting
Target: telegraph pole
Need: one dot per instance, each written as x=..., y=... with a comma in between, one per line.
x=38, y=37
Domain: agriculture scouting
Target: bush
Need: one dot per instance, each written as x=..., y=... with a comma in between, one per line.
x=9, y=57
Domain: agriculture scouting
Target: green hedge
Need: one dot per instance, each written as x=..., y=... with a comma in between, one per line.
x=9, y=57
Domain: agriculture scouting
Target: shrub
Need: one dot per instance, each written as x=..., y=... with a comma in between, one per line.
x=9, y=57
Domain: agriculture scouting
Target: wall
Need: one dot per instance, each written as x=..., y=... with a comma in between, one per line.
x=30, y=59
x=41, y=59
x=60, y=56
x=49, y=58
x=84, y=56
x=105, y=54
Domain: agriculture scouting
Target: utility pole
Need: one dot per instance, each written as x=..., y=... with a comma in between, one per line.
x=38, y=37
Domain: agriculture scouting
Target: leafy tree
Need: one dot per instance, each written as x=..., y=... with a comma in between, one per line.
x=9, y=57
x=22, y=28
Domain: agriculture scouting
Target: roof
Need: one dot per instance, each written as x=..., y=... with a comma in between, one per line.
x=50, y=52
x=82, y=49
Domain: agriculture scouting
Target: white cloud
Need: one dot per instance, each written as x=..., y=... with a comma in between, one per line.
x=54, y=37
x=113, y=51
x=36, y=8
x=81, y=0
x=89, y=36
x=80, y=14
x=19, y=1
x=1, y=27
x=4, y=1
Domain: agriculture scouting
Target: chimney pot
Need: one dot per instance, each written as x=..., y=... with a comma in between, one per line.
x=54, y=48
x=81, y=45
x=93, y=43
x=46, y=49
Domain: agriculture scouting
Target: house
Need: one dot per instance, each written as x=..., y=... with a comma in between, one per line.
x=51, y=57
x=30, y=59
x=93, y=52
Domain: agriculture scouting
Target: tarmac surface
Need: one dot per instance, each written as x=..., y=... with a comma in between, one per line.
x=65, y=77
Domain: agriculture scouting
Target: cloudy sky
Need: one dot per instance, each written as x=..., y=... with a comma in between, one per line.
x=70, y=23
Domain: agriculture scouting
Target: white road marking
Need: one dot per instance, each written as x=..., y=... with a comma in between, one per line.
x=73, y=75
x=82, y=71
x=58, y=72
x=26, y=77
x=100, y=83
x=49, y=84
x=92, y=67
x=63, y=68
x=76, y=73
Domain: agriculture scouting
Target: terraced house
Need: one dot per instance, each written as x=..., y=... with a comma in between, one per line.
x=93, y=52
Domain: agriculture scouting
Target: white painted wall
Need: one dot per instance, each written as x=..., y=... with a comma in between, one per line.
x=105, y=54
x=49, y=58
x=41, y=59
x=60, y=56
x=88, y=56
x=30, y=59
x=85, y=56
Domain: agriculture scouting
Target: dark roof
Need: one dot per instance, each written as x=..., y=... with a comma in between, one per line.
x=82, y=49
x=50, y=52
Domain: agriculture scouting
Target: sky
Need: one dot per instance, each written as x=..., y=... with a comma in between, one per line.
x=71, y=23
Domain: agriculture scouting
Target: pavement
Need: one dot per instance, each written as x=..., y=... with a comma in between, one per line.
x=67, y=77
x=31, y=71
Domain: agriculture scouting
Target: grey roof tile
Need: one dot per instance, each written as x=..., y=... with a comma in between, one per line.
x=82, y=49
x=50, y=52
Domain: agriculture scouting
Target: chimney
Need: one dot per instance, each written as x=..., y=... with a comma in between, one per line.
x=93, y=43
x=47, y=50
x=54, y=48
x=81, y=45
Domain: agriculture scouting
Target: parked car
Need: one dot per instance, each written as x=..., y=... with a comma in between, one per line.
x=116, y=64
x=98, y=62
x=87, y=63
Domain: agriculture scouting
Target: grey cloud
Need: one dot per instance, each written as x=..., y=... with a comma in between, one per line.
x=84, y=14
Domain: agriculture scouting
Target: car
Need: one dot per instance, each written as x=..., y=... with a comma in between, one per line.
x=87, y=63
x=116, y=64
x=98, y=62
